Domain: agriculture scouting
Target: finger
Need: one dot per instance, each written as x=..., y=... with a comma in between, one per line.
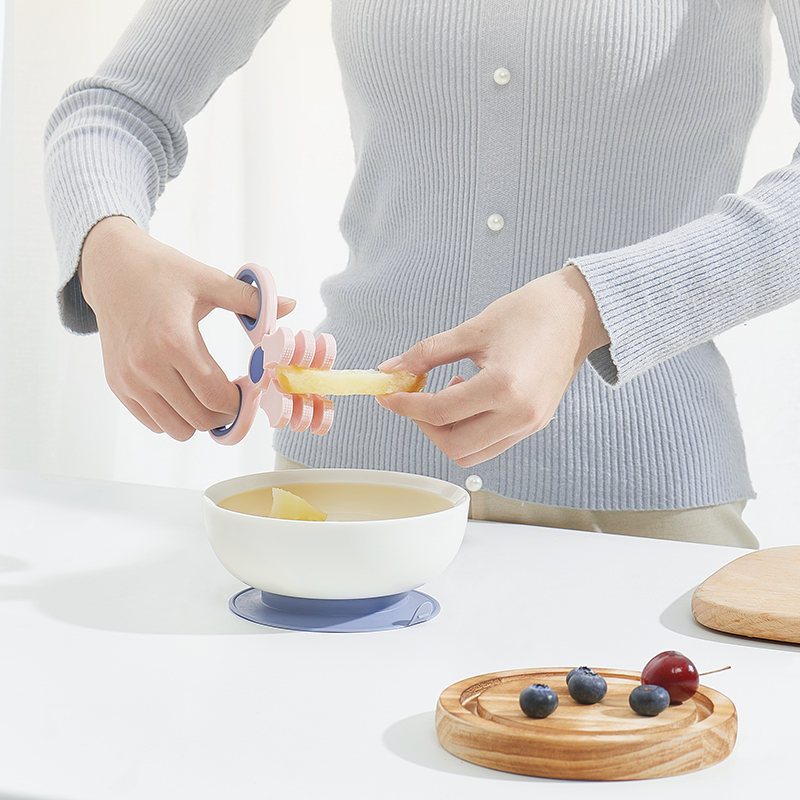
x=485, y=435
x=475, y=440
x=240, y=297
x=220, y=290
x=125, y=389
x=156, y=413
x=462, y=439
x=162, y=389
x=458, y=401
x=489, y=452
x=165, y=416
x=217, y=398
x=442, y=348
x=180, y=413
x=139, y=413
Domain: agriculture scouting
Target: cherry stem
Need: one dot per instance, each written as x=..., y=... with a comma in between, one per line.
x=712, y=671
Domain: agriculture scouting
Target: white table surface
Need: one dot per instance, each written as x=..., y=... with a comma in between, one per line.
x=124, y=674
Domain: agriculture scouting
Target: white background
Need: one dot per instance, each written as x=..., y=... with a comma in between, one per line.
x=269, y=165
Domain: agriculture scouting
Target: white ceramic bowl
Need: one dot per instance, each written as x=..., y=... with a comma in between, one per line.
x=336, y=560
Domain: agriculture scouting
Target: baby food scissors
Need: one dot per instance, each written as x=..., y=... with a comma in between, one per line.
x=274, y=346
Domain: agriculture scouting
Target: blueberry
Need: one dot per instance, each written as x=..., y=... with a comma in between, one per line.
x=576, y=670
x=586, y=686
x=572, y=672
x=538, y=701
x=649, y=700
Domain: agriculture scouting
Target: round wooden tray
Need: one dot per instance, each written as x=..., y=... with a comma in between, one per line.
x=479, y=720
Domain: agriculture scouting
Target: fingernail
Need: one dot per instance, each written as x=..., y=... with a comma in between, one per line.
x=391, y=364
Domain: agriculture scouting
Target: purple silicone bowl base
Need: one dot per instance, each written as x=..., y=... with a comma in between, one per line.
x=335, y=616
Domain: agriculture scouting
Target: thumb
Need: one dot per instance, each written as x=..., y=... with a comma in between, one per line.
x=441, y=348
x=234, y=295
x=285, y=305
x=242, y=297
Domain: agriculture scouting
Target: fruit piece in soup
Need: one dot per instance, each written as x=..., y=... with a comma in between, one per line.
x=286, y=505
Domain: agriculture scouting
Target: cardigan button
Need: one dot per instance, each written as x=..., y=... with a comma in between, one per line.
x=473, y=483
x=495, y=222
x=502, y=76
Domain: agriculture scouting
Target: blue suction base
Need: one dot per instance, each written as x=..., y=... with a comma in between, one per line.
x=334, y=616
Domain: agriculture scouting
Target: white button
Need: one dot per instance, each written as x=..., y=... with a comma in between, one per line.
x=502, y=76
x=473, y=483
x=495, y=222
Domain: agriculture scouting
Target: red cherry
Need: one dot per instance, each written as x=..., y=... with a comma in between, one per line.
x=676, y=673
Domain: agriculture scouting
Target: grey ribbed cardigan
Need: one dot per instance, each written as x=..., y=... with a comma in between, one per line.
x=616, y=143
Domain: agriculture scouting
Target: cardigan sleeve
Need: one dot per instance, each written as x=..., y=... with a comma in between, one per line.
x=117, y=138
x=659, y=297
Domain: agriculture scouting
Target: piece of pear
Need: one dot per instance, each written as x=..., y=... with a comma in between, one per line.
x=286, y=505
x=304, y=380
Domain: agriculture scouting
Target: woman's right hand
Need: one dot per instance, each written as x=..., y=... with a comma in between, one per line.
x=149, y=299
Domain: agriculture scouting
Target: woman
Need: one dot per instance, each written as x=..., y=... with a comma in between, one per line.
x=542, y=216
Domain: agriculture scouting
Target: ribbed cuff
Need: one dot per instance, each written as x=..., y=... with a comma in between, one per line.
x=666, y=294
x=94, y=170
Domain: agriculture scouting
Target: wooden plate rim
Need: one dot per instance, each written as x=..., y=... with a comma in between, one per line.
x=450, y=710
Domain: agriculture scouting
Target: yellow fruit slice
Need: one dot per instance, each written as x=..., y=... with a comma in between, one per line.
x=303, y=380
x=286, y=505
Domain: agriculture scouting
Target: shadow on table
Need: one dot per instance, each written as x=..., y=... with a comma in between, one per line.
x=678, y=617
x=180, y=590
x=414, y=739
x=159, y=596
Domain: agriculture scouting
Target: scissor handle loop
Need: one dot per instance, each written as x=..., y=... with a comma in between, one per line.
x=248, y=406
x=273, y=347
x=267, y=317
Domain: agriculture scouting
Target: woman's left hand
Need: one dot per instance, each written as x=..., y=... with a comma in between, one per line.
x=528, y=345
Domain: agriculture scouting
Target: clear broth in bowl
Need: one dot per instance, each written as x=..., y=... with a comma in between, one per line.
x=345, y=501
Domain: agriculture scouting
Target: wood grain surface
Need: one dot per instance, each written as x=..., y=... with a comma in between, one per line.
x=757, y=595
x=479, y=720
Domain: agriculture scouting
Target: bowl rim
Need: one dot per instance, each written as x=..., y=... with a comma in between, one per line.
x=218, y=491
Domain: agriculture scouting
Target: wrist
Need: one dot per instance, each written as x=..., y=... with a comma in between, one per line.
x=103, y=239
x=593, y=333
